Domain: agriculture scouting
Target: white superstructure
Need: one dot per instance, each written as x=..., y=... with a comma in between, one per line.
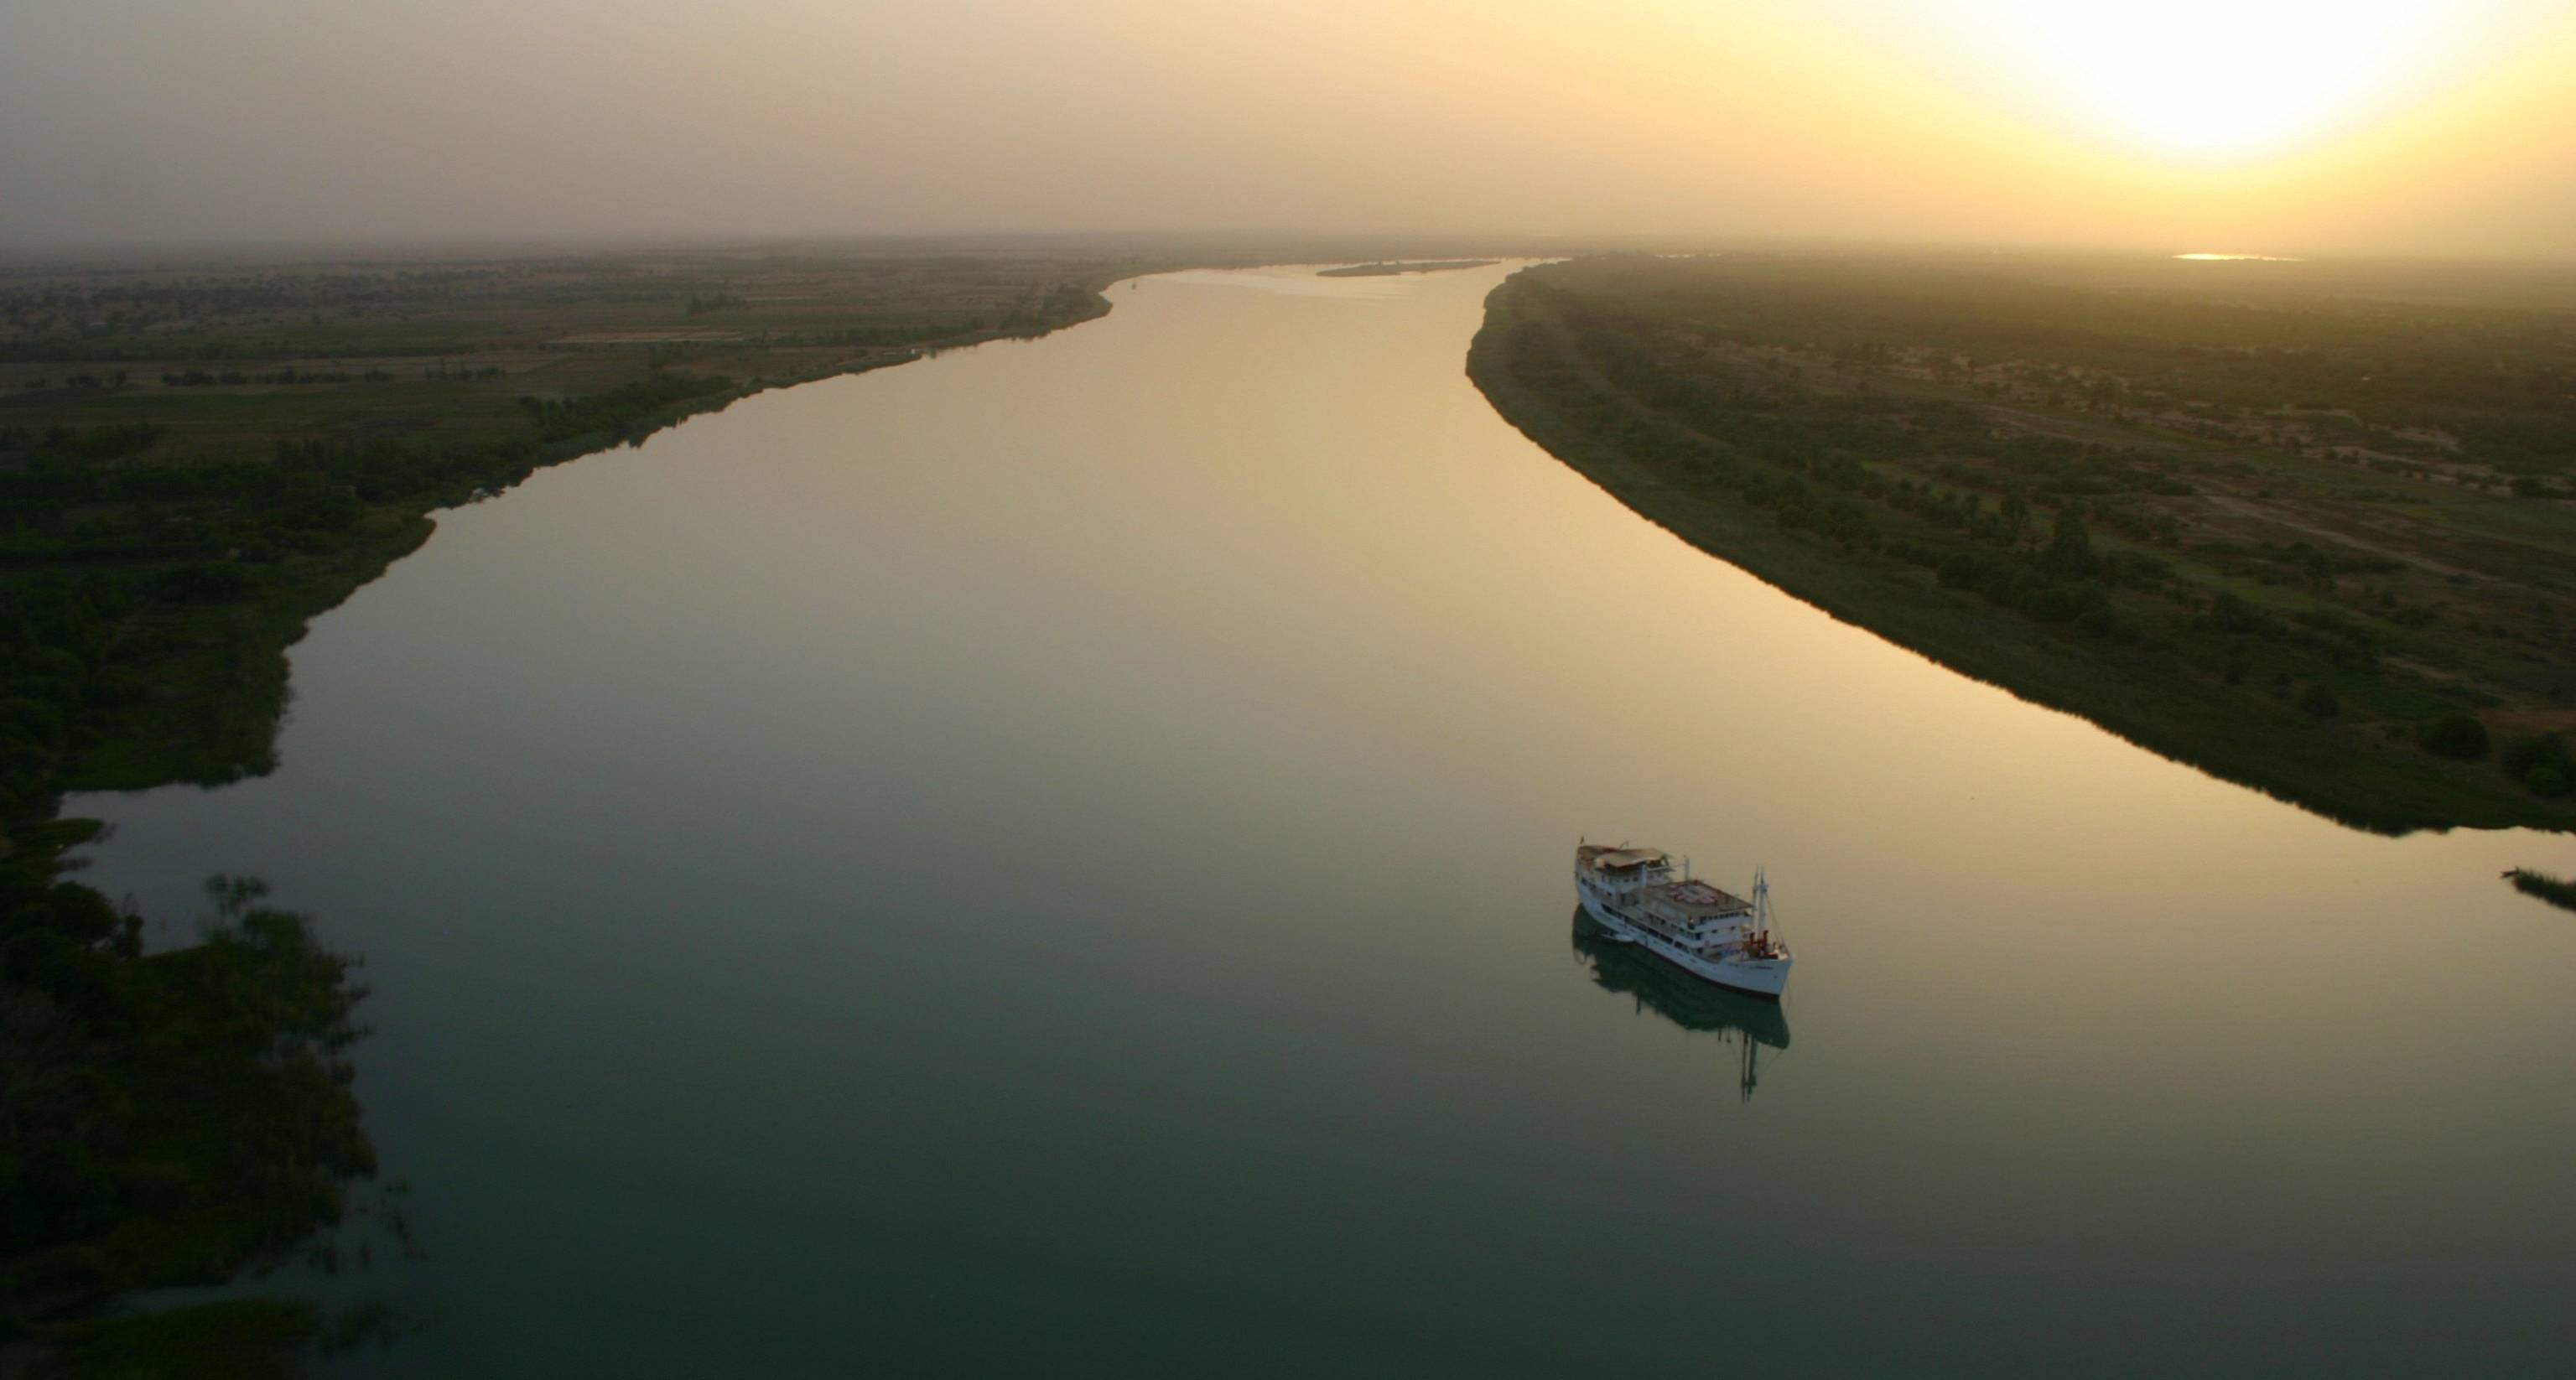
x=1708, y=933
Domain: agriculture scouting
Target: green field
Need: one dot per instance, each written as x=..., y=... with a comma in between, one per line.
x=228, y=361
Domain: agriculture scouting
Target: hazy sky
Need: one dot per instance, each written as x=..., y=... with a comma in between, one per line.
x=2443, y=125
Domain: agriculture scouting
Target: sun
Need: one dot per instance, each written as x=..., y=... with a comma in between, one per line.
x=2223, y=78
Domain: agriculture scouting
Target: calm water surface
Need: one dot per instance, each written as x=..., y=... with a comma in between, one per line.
x=1056, y=859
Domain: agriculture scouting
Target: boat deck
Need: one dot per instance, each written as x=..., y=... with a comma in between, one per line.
x=1698, y=898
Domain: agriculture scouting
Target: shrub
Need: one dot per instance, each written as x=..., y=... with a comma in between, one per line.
x=205, y=583
x=2541, y=764
x=2457, y=736
x=1963, y=571
x=2318, y=702
x=2055, y=604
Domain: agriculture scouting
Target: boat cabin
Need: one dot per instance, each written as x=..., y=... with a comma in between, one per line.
x=1623, y=870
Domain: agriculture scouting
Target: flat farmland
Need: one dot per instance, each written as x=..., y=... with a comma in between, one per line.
x=195, y=459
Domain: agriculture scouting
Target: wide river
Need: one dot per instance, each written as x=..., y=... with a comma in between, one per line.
x=1056, y=859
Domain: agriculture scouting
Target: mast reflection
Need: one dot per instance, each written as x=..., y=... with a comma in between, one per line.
x=1686, y=1001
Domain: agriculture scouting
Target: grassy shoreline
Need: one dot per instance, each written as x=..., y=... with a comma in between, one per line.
x=1527, y=360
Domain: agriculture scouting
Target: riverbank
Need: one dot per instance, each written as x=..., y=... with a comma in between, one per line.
x=659, y=995
x=1827, y=429
x=189, y=488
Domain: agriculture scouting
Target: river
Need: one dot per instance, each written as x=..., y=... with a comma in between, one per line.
x=1056, y=859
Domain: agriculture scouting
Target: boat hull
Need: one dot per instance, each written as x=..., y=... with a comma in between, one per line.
x=1767, y=978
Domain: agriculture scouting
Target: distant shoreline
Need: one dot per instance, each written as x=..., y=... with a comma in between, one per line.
x=1391, y=268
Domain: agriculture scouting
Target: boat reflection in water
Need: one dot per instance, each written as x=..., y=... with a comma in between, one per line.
x=1684, y=1000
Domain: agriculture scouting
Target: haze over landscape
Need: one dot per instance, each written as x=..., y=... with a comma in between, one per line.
x=1007, y=687
x=2376, y=126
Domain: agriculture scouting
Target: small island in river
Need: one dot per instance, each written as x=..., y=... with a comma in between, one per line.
x=1394, y=267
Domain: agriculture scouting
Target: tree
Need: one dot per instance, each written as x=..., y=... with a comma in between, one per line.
x=2318, y=702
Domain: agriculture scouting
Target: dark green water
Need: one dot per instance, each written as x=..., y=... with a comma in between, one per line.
x=1055, y=859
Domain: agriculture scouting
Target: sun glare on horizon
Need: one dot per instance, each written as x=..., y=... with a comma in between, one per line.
x=2218, y=79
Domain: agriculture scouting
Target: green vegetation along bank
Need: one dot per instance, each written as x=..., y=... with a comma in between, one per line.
x=2311, y=531
x=195, y=460
x=165, y=1119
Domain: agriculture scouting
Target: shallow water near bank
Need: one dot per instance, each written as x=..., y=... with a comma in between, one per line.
x=1058, y=857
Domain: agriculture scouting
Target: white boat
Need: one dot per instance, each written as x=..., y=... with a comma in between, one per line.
x=1710, y=934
